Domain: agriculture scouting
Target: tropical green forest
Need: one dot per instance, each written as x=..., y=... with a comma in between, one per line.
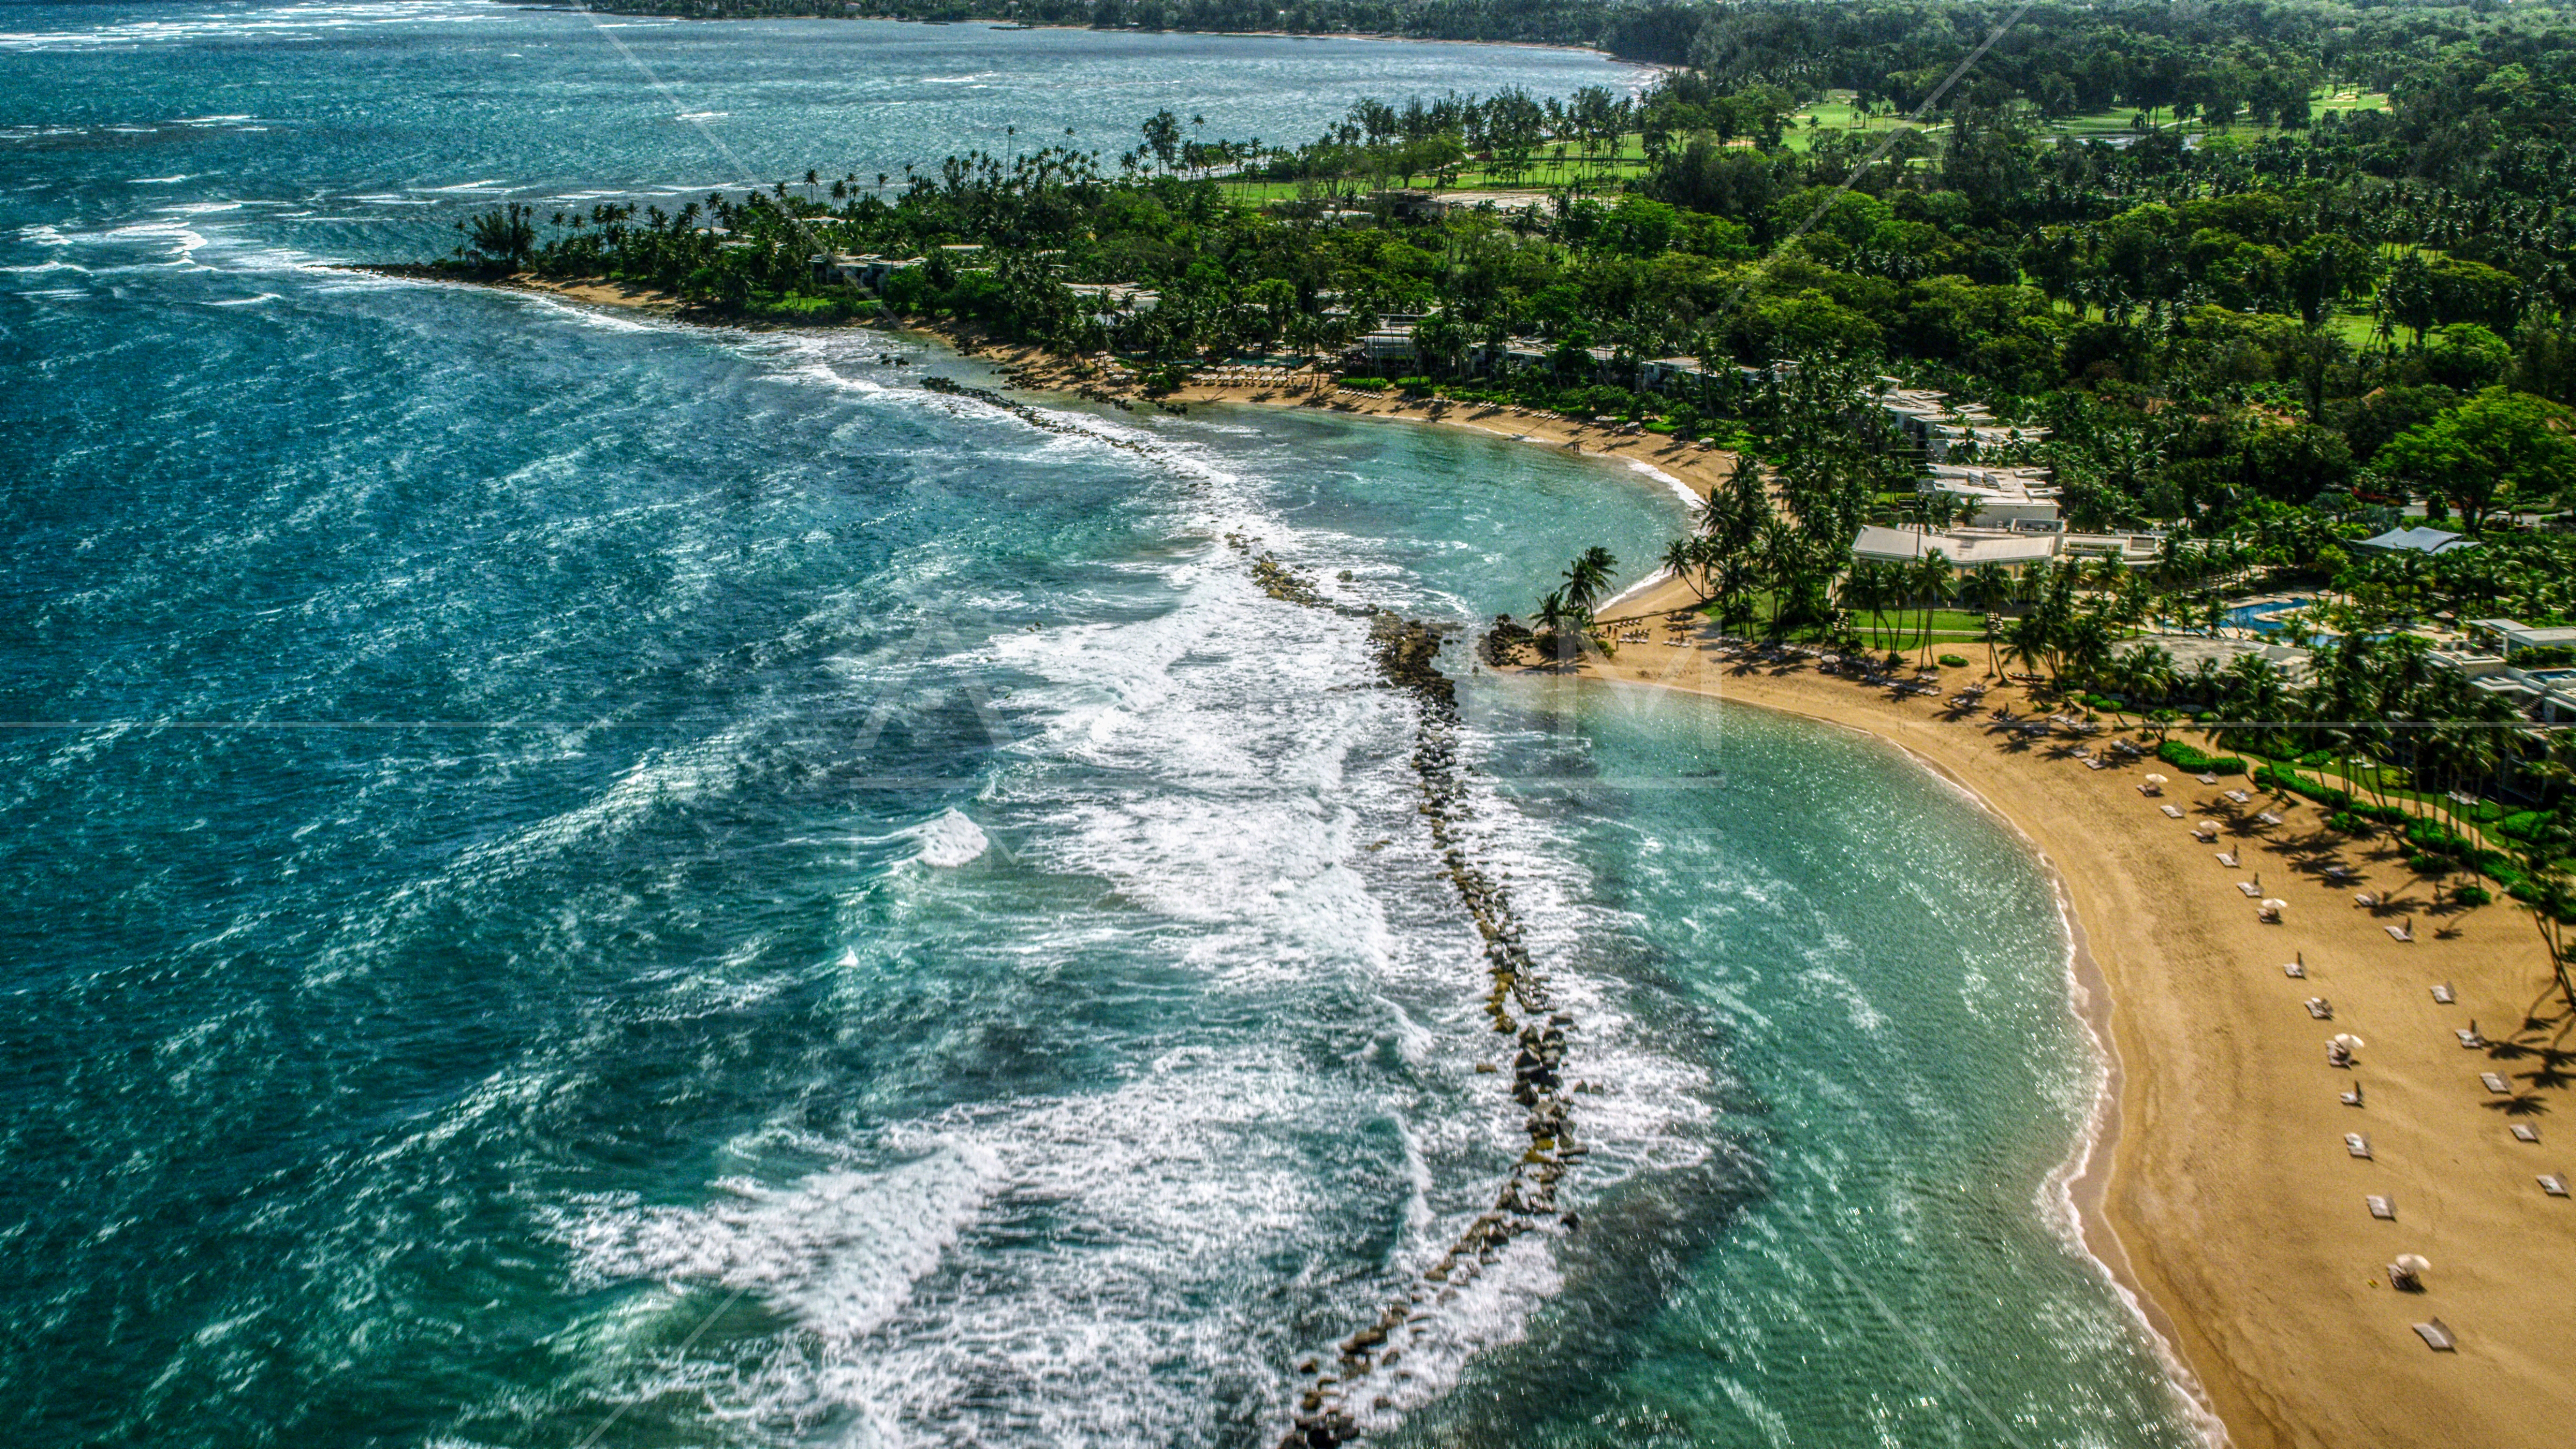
x=2253, y=282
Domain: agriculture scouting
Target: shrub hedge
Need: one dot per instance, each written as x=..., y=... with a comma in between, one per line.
x=2191, y=757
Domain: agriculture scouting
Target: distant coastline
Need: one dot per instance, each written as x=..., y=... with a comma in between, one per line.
x=1678, y=465
x=1654, y=65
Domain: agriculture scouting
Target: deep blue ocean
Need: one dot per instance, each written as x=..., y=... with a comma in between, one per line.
x=573, y=880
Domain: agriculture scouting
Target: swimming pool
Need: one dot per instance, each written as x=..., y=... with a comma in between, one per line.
x=2266, y=617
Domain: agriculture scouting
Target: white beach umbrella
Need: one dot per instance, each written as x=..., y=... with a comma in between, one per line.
x=2154, y=778
x=2275, y=903
x=2348, y=1041
x=2413, y=1264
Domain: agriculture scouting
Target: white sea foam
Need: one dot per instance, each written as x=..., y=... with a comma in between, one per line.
x=1681, y=490
x=1080, y=1269
x=1633, y=590
x=948, y=839
x=840, y=1250
x=268, y=23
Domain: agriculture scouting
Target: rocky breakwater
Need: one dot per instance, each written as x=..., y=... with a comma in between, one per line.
x=1328, y=1409
x=949, y=387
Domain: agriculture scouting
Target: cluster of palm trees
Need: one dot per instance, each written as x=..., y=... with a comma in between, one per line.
x=1565, y=614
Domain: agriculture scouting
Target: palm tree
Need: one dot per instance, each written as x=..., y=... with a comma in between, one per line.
x=2150, y=672
x=1562, y=624
x=2087, y=646
x=2026, y=642
x=1984, y=589
x=1685, y=558
x=2254, y=703
x=1931, y=580
x=1865, y=587
x=1587, y=577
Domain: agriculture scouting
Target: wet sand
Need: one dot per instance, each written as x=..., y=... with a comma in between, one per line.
x=2220, y=1194
x=2230, y=1206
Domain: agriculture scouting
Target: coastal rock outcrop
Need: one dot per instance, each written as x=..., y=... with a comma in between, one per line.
x=1516, y=1002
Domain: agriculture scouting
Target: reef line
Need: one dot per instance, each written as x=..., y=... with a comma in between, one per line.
x=1407, y=652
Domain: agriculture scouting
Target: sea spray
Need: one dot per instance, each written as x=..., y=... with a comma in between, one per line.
x=1407, y=653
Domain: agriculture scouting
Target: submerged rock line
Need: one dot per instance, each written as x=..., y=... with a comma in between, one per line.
x=1517, y=1004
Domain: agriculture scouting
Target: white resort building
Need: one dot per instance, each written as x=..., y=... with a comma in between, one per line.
x=1996, y=497
x=2013, y=549
x=1940, y=425
x=2545, y=694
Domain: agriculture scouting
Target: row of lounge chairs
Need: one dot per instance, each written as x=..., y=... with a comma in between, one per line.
x=1255, y=376
x=2405, y=1271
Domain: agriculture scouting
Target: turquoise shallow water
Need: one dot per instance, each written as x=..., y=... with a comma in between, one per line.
x=583, y=881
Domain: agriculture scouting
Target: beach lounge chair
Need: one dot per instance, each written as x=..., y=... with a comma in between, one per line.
x=2381, y=1208
x=2552, y=1184
x=2091, y=763
x=2437, y=1336
x=2320, y=1008
x=2525, y=1132
x=2338, y=1055
x=2240, y=797
x=2356, y=1144
x=2469, y=1038
x=2444, y=995
x=2227, y=858
x=2172, y=812
x=2351, y=1098
x=2295, y=970
x=2268, y=818
x=2495, y=1083
x=2366, y=899
x=2338, y=873
x=2247, y=886
x=2400, y=934
x=2209, y=779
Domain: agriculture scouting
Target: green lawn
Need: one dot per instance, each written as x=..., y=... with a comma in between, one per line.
x=1554, y=167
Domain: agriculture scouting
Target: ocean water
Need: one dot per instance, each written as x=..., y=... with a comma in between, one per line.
x=582, y=881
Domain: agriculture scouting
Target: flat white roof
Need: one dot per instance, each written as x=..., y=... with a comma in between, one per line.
x=1966, y=548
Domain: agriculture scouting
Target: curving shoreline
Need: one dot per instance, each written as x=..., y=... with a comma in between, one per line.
x=2080, y=1183
x=2219, y=1197
x=2216, y=1196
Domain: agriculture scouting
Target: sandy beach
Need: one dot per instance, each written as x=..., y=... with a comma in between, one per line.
x=2223, y=1197
x=1653, y=455
x=1686, y=465
x=2232, y=1206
